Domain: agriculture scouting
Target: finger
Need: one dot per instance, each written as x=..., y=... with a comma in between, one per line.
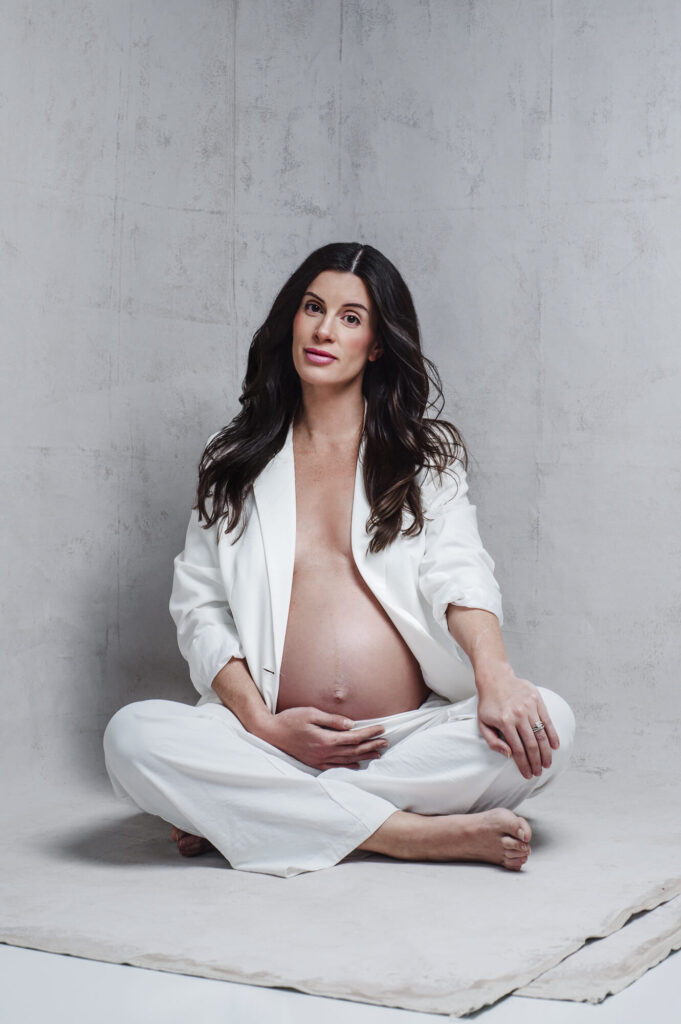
x=340, y=757
x=545, y=717
x=544, y=747
x=328, y=721
x=356, y=752
x=494, y=740
x=531, y=746
x=357, y=736
x=518, y=751
x=362, y=749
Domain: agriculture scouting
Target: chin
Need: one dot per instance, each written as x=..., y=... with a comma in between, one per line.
x=314, y=374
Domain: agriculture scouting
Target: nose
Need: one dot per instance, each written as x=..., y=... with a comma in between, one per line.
x=325, y=328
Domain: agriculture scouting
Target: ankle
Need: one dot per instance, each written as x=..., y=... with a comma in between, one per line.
x=398, y=836
x=413, y=837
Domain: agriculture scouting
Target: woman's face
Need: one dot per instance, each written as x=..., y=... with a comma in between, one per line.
x=334, y=330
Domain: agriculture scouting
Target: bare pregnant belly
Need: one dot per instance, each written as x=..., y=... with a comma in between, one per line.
x=342, y=654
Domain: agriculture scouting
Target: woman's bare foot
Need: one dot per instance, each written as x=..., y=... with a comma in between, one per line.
x=189, y=845
x=498, y=837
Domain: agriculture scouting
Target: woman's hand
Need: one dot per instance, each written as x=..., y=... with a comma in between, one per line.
x=322, y=740
x=508, y=708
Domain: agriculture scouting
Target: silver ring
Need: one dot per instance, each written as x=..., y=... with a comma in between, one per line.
x=538, y=726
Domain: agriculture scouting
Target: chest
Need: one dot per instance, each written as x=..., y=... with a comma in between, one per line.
x=324, y=489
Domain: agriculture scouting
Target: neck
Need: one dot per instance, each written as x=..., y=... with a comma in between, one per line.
x=331, y=417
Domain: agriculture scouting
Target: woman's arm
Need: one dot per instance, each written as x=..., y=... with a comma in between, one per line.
x=457, y=579
x=206, y=633
x=456, y=568
x=508, y=707
x=237, y=690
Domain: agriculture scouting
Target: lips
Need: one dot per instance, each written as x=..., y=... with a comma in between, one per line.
x=318, y=357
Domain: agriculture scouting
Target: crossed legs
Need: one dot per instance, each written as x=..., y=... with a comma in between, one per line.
x=439, y=794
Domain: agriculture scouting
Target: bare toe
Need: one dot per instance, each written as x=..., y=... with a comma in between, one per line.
x=515, y=859
x=514, y=847
x=514, y=834
x=516, y=854
x=190, y=845
x=524, y=827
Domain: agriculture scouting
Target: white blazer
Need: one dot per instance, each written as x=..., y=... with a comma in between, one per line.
x=231, y=599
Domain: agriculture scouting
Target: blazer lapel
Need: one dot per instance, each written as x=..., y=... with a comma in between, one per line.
x=275, y=498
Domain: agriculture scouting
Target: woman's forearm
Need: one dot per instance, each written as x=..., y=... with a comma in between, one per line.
x=236, y=689
x=478, y=633
x=512, y=716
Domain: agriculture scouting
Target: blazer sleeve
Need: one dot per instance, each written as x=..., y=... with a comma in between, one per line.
x=455, y=568
x=206, y=633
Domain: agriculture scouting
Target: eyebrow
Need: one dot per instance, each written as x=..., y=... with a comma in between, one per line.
x=357, y=304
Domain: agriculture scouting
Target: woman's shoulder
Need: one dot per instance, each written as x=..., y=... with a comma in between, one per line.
x=438, y=485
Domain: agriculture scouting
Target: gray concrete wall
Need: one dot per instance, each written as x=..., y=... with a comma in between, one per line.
x=166, y=164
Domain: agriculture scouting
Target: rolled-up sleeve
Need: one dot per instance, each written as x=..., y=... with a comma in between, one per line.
x=206, y=633
x=455, y=568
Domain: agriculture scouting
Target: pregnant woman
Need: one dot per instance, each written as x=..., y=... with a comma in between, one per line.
x=339, y=613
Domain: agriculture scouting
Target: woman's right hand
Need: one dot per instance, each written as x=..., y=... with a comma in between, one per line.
x=322, y=740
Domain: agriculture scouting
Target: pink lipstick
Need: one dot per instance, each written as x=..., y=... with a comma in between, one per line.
x=319, y=358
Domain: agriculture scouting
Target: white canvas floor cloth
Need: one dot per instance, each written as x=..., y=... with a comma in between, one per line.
x=80, y=875
x=608, y=965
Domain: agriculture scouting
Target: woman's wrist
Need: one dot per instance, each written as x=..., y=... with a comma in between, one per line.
x=478, y=633
x=237, y=690
x=492, y=674
x=261, y=723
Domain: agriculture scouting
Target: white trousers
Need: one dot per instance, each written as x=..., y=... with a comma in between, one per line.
x=199, y=769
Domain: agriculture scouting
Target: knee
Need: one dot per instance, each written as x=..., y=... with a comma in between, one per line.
x=564, y=723
x=129, y=736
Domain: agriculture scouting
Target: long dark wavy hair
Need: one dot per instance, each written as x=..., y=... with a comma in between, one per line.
x=400, y=439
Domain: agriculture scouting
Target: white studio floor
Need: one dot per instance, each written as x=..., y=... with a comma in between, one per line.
x=39, y=987
x=87, y=877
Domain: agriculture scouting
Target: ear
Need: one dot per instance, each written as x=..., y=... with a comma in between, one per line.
x=376, y=352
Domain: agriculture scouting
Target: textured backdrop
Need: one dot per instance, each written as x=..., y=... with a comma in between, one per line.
x=167, y=164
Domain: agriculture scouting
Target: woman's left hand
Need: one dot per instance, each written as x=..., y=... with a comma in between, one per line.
x=508, y=708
